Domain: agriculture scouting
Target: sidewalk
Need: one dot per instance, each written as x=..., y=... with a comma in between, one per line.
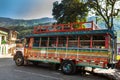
x=6, y=56
x=112, y=74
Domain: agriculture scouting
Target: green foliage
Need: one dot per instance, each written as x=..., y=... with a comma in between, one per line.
x=70, y=11
x=3, y=42
x=23, y=31
x=106, y=9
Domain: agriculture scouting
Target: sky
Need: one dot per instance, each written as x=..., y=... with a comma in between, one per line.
x=26, y=9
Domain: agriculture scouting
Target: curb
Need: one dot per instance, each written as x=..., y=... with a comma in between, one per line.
x=6, y=56
x=111, y=74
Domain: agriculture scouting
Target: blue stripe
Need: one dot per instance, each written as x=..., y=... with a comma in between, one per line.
x=72, y=33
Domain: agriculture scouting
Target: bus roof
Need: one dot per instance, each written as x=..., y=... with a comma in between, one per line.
x=92, y=32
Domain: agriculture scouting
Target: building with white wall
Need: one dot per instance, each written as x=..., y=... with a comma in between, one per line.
x=7, y=41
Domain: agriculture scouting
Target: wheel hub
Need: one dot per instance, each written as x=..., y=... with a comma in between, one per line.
x=67, y=67
x=18, y=60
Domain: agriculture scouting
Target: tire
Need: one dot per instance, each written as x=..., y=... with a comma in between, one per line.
x=19, y=60
x=68, y=67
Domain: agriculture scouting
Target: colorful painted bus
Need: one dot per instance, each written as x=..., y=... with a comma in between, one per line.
x=69, y=46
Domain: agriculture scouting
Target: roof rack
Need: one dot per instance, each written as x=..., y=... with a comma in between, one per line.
x=76, y=26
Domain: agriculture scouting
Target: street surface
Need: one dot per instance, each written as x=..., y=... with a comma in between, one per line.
x=9, y=71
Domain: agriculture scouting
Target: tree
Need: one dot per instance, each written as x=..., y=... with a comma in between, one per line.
x=106, y=9
x=70, y=11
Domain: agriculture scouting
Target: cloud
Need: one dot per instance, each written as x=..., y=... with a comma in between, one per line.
x=40, y=8
x=26, y=9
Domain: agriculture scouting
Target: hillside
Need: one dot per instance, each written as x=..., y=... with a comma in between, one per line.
x=25, y=27
x=5, y=22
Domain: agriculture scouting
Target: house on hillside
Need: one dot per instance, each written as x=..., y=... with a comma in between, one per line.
x=7, y=40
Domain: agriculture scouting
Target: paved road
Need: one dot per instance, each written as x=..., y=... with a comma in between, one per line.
x=9, y=71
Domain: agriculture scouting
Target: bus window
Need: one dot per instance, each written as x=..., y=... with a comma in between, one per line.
x=85, y=41
x=36, y=42
x=62, y=41
x=52, y=42
x=98, y=41
x=73, y=41
x=27, y=40
x=44, y=41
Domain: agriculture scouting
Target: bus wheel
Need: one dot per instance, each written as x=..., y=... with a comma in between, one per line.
x=68, y=67
x=19, y=60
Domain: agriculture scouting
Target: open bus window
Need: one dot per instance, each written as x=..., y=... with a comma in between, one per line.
x=44, y=41
x=52, y=42
x=62, y=41
x=36, y=42
x=98, y=42
x=85, y=41
x=73, y=41
x=27, y=40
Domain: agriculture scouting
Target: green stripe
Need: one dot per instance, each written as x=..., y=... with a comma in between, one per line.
x=74, y=49
x=94, y=66
x=51, y=61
